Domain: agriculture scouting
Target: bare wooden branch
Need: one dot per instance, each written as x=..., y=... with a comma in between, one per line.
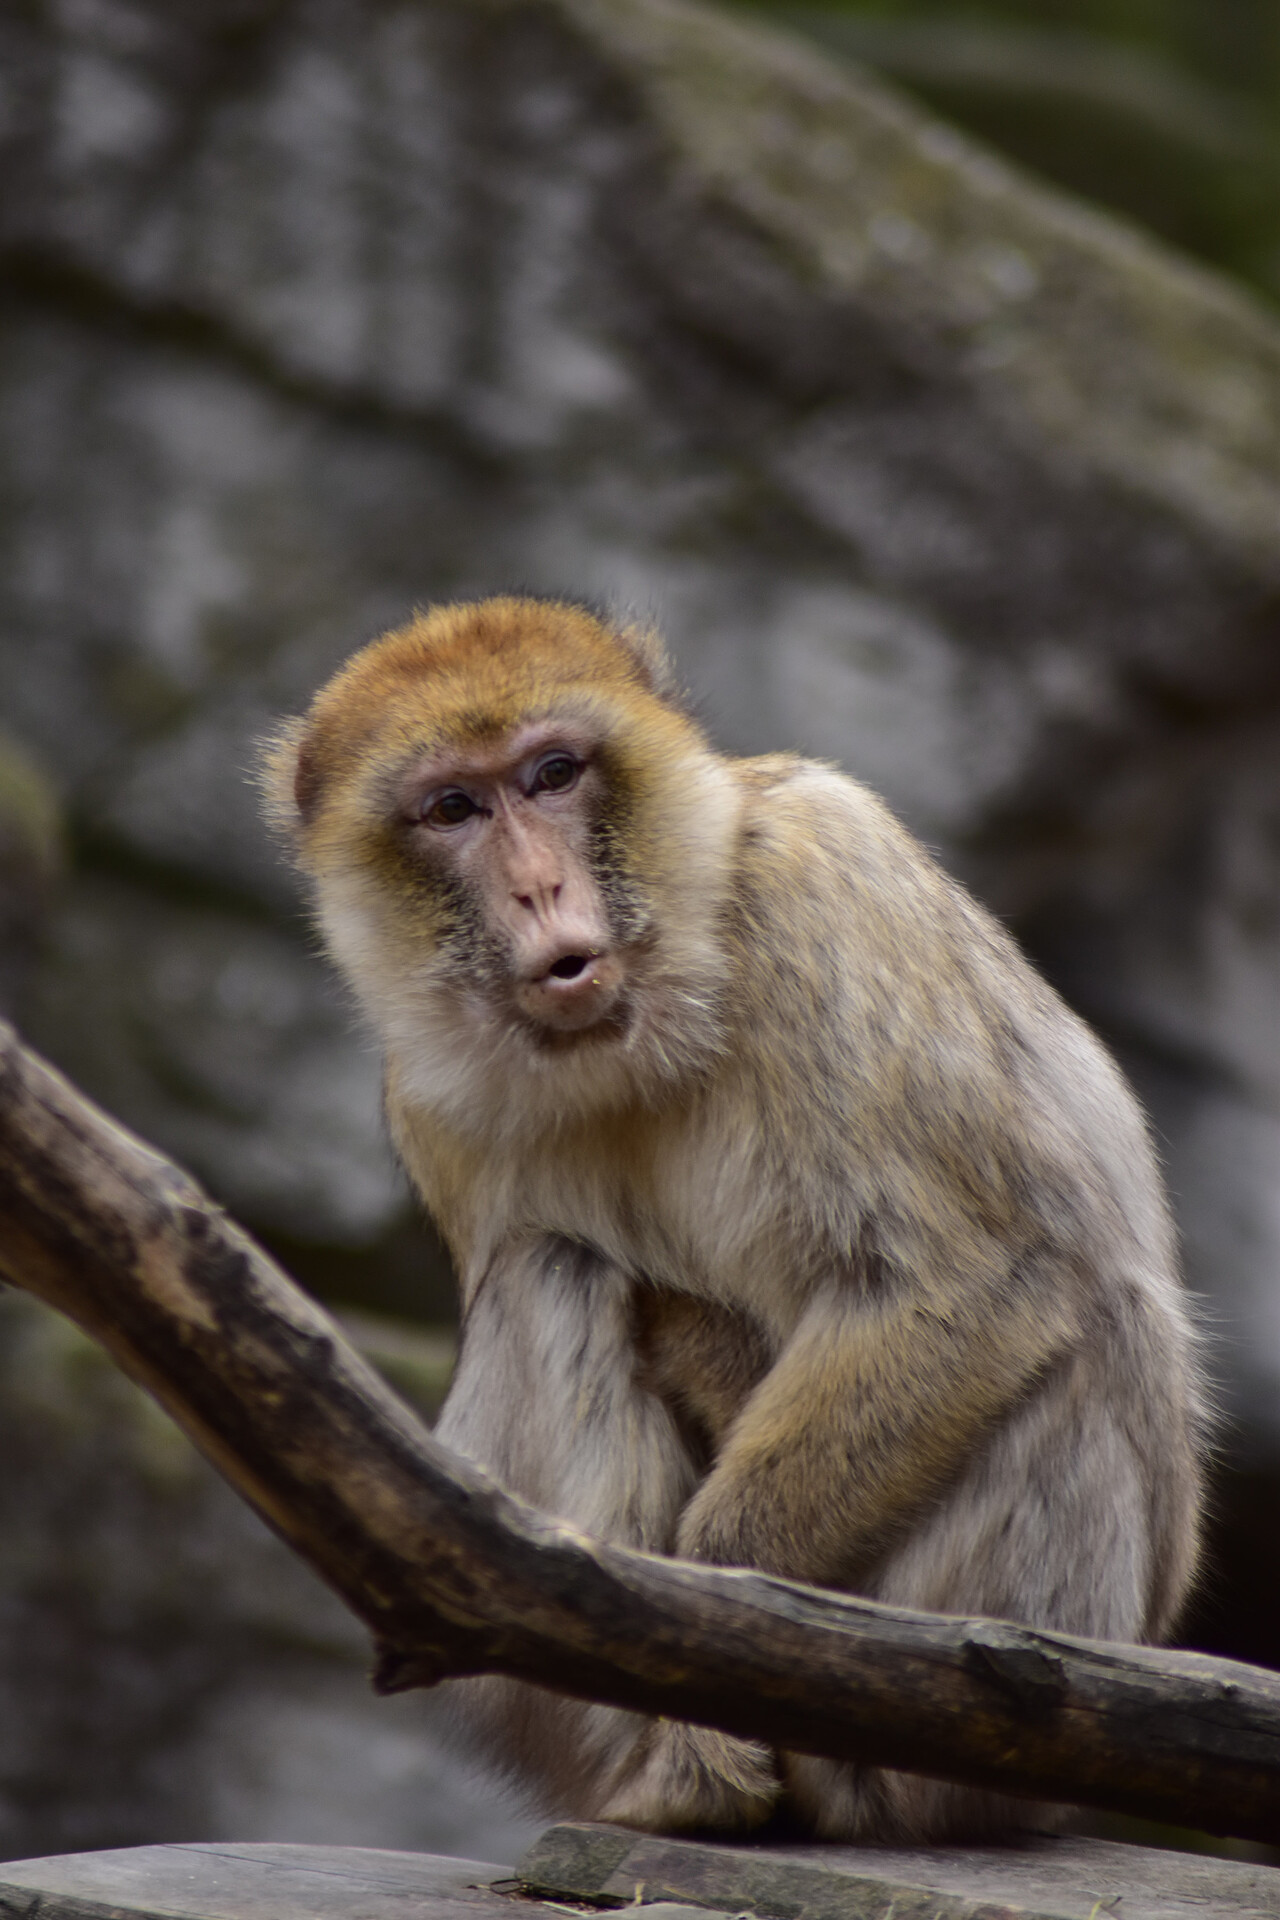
x=453, y=1576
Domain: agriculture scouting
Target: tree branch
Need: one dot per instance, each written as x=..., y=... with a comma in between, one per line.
x=452, y=1575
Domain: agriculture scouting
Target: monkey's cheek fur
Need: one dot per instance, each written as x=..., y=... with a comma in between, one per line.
x=576, y=1004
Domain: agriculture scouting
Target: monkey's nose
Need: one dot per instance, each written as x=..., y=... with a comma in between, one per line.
x=539, y=901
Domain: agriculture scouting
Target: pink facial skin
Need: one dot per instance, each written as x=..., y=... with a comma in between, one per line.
x=513, y=821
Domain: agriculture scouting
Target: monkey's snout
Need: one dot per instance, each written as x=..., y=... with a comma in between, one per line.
x=574, y=992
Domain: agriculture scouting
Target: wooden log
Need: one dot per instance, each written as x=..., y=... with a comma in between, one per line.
x=453, y=1575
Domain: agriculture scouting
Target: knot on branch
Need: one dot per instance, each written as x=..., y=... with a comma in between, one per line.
x=1033, y=1679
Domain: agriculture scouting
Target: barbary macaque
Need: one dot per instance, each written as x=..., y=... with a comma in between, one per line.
x=800, y=1226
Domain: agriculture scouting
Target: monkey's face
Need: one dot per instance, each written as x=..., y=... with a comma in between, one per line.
x=519, y=846
x=508, y=836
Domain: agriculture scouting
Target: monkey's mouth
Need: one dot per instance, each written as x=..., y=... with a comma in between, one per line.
x=576, y=991
x=569, y=967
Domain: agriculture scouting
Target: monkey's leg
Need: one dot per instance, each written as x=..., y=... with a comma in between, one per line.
x=546, y=1397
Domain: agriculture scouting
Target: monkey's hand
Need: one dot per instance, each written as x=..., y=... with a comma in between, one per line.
x=679, y=1777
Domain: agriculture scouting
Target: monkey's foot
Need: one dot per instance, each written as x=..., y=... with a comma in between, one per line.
x=680, y=1777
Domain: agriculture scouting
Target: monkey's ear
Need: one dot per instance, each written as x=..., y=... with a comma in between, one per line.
x=651, y=659
x=286, y=778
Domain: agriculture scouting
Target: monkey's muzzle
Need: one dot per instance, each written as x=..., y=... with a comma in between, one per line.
x=575, y=992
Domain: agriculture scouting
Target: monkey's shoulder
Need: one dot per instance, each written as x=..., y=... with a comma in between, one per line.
x=820, y=852
x=810, y=805
x=844, y=926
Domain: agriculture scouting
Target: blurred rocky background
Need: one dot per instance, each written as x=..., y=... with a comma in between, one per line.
x=315, y=310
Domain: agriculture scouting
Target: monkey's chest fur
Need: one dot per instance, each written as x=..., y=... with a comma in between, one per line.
x=676, y=1211
x=677, y=1199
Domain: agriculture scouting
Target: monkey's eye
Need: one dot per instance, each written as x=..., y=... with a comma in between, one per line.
x=555, y=775
x=450, y=809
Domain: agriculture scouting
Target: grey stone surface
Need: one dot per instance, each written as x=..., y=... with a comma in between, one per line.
x=1045, y=1878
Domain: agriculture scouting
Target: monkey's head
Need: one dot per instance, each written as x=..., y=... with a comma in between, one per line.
x=517, y=843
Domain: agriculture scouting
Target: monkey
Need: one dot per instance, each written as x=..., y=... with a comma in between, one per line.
x=799, y=1224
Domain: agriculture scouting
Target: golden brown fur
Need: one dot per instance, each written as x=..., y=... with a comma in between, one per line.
x=701, y=1359
x=807, y=1230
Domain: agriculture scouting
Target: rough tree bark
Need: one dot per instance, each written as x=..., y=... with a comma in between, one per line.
x=452, y=1575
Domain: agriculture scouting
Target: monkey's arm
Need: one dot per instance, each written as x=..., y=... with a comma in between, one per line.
x=546, y=1397
x=868, y=1412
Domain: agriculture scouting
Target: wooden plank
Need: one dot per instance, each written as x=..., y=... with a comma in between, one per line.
x=609, y=1867
x=1045, y=1879
x=225, y=1881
